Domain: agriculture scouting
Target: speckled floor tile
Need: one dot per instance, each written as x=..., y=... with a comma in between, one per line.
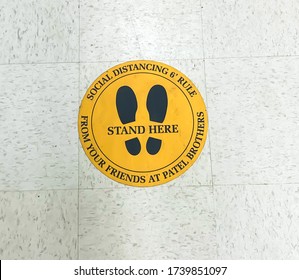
x=170, y=36
x=153, y=223
x=152, y=6
x=135, y=31
x=257, y=222
x=39, y=31
x=38, y=113
x=106, y=36
x=38, y=225
x=253, y=109
x=166, y=6
x=198, y=174
x=250, y=28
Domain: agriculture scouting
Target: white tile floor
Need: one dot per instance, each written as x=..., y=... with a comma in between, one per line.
x=159, y=223
x=240, y=199
x=39, y=104
x=39, y=31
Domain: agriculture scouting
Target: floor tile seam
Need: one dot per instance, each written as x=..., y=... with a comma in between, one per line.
x=251, y=57
x=39, y=190
x=206, y=92
x=255, y=184
x=39, y=63
x=215, y=184
x=209, y=136
x=124, y=188
x=164, y=59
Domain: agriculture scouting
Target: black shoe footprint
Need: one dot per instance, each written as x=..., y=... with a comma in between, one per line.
x=157, y=106
x=126, y=105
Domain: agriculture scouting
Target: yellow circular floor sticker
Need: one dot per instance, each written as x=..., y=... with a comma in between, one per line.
x=142, y=123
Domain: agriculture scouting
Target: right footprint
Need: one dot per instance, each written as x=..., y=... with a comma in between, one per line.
x=153, y=145
x=157, y=107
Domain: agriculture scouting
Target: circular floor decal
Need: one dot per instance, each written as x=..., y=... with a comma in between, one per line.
x=142, y=123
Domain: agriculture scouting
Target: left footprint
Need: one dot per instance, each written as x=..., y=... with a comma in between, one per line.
x=126, y=104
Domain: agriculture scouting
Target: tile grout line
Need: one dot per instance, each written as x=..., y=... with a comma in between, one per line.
x=200, y=58
x=119, y=61
x=206, y=92
x=140, y=188
x=254, y=56
x=210, y=146
x=39, y=63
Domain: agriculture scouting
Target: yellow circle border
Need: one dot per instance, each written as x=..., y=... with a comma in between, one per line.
x=165, y=173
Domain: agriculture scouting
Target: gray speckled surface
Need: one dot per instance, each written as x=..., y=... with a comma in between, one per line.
x=38, y=225
x=166, y=6
x=153, y=223
x=137, y=6
x=250, y=28
x=39, y=31
x=140, y=32
x=38, y=113
x=257, y=222
x=175, y=39
x=253, y=108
